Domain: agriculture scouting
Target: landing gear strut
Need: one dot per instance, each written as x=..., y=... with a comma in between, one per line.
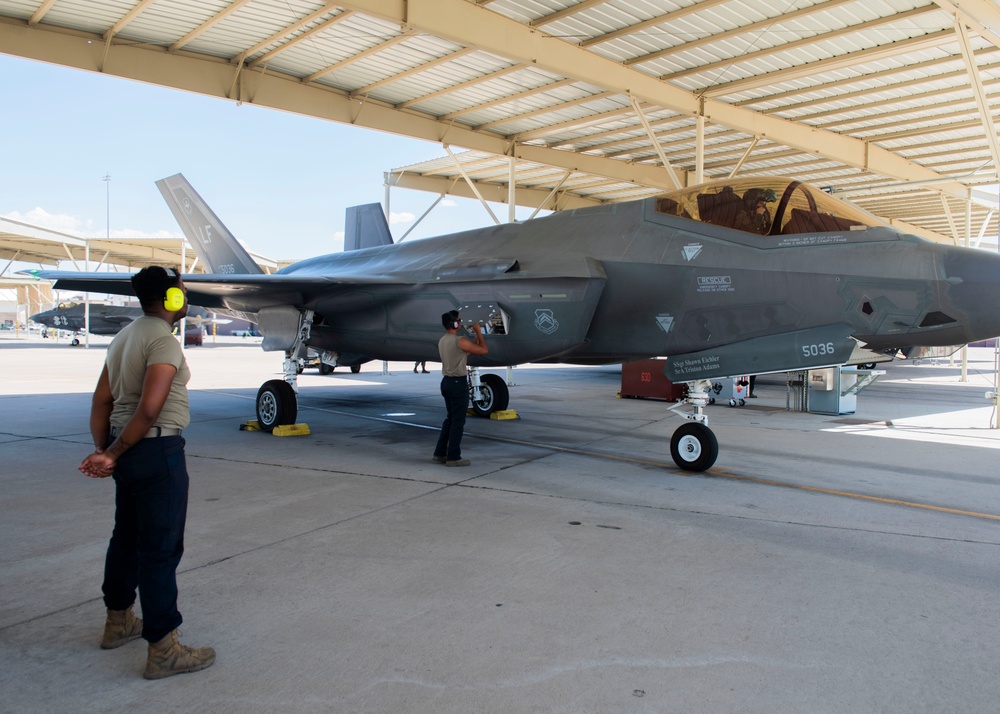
x=277, y=404
x=693, y=446
x=487, y=393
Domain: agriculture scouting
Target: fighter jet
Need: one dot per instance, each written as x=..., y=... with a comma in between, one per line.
x=724, y=278
x=105, y=319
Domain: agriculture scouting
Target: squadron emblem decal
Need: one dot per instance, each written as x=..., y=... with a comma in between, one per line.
x=545, y=321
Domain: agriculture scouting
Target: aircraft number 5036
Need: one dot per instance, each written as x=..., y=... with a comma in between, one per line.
x=820, y=350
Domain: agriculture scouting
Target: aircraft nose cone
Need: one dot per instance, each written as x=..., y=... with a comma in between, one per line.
x=973, y=279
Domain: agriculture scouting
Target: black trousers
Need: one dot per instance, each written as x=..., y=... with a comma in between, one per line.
x=455, y=391
x=151, y=495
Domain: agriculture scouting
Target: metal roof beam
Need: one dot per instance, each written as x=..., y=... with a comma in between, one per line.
x=765, y=24
x=474, y=26
x=322, y=27
x=463, y=85
x=374, y=49
x=499, y=101
x=653, y=22
x=495, y=193
x=980, y=15
x=797, y=44
x=979, y=92
x=407, y=73
x=208, y=24
x=851, y=59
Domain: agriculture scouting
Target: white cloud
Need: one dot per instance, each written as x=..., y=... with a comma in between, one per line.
x=397, y=218
x=448, y=203
x=82, y=228
x=128, y=233
x=43, y=219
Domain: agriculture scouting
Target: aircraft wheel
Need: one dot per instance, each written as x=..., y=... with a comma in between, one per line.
x=495, y=395
x=694, y=447
x=355, y=368
x=324, y=368
x=276, y=404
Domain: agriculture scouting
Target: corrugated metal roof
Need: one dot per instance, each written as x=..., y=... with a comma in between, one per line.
x=873, y=97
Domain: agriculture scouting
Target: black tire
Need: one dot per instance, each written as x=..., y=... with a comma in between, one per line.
x=694, y=447
x=276, y=404
x=324, y=368
x=355, y=368
x=494, y=396
x=75, y=342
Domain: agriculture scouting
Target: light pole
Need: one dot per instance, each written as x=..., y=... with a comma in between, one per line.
x=107, y=204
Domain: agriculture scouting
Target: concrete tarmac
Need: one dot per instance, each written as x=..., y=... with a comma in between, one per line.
x=843, y=563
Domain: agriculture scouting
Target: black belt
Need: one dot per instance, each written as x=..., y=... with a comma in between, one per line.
x=154, y=433
x=448, y=377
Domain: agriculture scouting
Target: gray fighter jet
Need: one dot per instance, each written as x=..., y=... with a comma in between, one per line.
x=724, y=278
x=106, y=319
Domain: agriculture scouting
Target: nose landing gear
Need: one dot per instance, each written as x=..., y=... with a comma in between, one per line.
x=693, y=446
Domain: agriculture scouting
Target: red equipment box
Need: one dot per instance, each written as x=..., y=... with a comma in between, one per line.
x=645, y=379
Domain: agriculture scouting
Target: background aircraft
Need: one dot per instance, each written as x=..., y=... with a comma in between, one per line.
x=109, y=319
x=724, y=278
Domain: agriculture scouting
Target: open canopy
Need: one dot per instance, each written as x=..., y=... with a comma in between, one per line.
x=766, y=206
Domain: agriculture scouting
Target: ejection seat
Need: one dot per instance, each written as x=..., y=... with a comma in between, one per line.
x=720, y=209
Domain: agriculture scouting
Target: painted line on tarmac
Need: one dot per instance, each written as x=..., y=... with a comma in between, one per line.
x=754, y=479
x=861, y=496
x=715, y=474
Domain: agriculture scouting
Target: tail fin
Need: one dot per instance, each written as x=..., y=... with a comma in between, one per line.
x=212, y=241
x=365, y=227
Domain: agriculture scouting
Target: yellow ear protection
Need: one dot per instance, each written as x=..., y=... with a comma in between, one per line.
x=174, y=299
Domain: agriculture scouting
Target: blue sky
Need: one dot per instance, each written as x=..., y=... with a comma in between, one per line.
x=279, y=181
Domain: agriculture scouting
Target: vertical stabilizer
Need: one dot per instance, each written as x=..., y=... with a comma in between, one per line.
x=215, y=245
x=365, y=227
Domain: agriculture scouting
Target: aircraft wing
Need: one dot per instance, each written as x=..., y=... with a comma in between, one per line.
x=120, y=319
x=241, y=293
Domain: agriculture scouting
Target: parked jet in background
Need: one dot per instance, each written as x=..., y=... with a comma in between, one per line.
x=107, y=319
x=724, y=278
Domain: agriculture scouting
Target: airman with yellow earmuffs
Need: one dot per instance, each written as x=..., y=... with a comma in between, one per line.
x=175, y=297
x=138, y=410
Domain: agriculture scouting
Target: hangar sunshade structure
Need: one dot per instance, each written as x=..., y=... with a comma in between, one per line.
x=886, y=103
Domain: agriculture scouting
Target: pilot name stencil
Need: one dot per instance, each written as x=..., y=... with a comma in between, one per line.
x=690, y=365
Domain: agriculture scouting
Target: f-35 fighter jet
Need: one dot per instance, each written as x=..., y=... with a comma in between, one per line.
x=725, y=278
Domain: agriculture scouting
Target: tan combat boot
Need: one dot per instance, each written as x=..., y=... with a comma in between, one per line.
x=169, y=657
x=122, y=627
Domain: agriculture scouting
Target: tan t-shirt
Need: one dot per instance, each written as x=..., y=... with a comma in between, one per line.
x=147, y=341
x=453, y=358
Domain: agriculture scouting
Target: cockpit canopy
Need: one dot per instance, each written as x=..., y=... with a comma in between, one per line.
x=766, y=206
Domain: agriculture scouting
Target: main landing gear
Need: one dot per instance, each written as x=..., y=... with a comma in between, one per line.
x=488, y=393
x=693, y=446
x=277, y=403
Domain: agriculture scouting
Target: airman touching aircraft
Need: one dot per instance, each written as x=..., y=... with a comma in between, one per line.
x=724, y=278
